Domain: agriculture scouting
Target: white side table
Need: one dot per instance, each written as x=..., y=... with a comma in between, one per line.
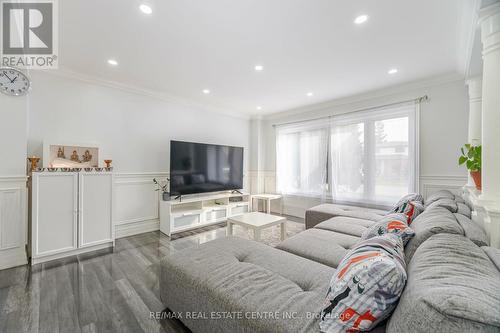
x=267, y=198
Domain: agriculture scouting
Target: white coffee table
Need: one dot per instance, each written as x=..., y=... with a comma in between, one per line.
x=256, y=221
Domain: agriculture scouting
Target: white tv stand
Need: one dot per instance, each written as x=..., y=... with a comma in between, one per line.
x=199, y=211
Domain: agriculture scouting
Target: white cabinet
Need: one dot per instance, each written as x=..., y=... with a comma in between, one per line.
x=71, y=214
x=95, y=202
x=55, y=213
x=199, y=211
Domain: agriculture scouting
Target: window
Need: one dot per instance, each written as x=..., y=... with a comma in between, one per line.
x=373, y=155
x=364, y=157
x=302, y=156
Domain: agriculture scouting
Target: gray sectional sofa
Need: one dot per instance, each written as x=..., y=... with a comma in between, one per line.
x=238, y=285
x=324, y=212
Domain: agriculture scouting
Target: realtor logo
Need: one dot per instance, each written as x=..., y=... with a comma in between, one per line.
x=29, y=34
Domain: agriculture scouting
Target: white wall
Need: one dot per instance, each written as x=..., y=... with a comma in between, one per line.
x=13, y=142
x=132, y=129
x=13, y=135
x=443, y=130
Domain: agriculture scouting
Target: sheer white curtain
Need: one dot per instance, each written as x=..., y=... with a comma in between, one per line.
x=368, y=157
x=347, y=150
x=373, y=155
x=302, y=158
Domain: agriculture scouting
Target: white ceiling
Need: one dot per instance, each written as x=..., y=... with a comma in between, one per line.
x=186, y=46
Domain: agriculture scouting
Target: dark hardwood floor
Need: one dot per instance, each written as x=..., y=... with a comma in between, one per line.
x=111, y=291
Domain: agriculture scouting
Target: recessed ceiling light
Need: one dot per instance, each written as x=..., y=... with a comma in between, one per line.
x=392, y=71
x=206, y=91
x=310, y=94
x=259, y=68
x=145, y=9
x=113, y=62
x=259, y=108
x=361, y=19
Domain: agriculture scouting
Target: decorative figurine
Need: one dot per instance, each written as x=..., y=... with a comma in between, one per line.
x=60, y=152
x=108, y=163
x=87, y=157
x=34, y=161
x=74, y=157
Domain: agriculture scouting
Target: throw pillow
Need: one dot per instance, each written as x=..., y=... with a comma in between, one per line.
x=366, y=286
x=394, y=223
x=410, y=197
x=411, y=209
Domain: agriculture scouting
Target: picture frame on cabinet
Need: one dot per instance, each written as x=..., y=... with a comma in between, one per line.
x=62, y=152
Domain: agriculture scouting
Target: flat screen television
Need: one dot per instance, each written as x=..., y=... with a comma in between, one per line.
x=200, y=168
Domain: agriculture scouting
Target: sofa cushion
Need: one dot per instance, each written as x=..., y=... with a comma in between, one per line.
x=323, y=246
x=235, y=275
x=472, y=230
x=346, y=225
x=493, y=254
x=394, y=223
x=463, y=209
x=452, y=205
x=366, y=286
x=449, y=204
x=452, y=287
x=443, y=194
x=324, y=212
x=430, y=222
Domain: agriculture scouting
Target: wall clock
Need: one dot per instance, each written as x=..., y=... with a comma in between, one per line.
x=13, y=82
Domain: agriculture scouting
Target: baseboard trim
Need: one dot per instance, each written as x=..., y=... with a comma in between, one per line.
x=138, y=227
x=13, y=258
x=57, y=256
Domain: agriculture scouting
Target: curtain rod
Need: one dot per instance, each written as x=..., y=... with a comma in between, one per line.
x=416, y=100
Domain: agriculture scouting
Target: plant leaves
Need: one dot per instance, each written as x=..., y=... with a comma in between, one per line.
x=462, y=160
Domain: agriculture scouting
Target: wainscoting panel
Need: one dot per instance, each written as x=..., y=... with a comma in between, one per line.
x=431, y=184
x=13, y=221
x=136, y=203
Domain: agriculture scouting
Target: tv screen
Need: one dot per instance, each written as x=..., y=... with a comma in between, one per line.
x=200, y=168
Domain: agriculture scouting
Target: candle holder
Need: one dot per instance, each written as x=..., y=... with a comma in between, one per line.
x=108, y=163
x=34, y=162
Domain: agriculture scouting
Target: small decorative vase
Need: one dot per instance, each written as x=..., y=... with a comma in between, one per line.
x=476, y=176
x=34, y=161
x=108, y=163
x=166, y=196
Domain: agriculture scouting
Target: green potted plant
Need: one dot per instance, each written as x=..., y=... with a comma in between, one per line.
x=471, y=157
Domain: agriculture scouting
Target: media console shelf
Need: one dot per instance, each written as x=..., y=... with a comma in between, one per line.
x=199, y=211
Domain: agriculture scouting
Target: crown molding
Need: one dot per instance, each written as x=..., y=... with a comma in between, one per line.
x=162, y=96
x=409, y=87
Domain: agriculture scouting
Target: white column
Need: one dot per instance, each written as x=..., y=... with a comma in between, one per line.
x=490, y=36
x=475, y=105
x=490, y=196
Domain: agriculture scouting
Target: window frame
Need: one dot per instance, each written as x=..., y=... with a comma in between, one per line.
x=408, y=109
